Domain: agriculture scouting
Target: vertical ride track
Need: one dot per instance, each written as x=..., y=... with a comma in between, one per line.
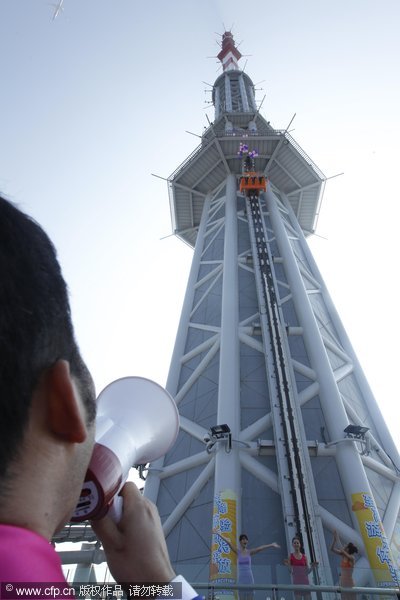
x=296, y=498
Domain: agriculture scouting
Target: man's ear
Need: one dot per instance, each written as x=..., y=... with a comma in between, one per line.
x=65, y=411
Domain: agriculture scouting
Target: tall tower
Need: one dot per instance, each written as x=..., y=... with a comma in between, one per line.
x=280, y=434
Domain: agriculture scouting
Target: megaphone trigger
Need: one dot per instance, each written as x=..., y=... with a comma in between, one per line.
x=137, y=422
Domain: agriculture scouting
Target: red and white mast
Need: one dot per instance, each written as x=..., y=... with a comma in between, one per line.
x=229, y=55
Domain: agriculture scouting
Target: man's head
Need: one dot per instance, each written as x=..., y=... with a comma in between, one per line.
x=35, y=327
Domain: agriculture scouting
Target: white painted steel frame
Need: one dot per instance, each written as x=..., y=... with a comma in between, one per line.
x=227, y=465
x=323, y=379
x=347, y=456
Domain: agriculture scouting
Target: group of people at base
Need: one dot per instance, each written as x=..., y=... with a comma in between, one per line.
x=297, y=563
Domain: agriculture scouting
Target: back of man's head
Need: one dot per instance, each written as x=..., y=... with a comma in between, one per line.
x=35, y=324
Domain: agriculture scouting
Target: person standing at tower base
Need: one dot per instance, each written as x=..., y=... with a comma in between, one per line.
x=244, y=554
x=299, y=568
x=346, y=564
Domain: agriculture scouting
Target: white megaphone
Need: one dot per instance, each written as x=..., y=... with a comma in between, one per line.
x=137, y=422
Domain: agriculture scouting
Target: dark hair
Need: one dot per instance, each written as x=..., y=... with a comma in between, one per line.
x=243, y=536
x=35, y=325
x=351, y=548
x=298, y=537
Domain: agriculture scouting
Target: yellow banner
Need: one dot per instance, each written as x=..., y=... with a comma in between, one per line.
x=223, y=559
x=374, y=538
x=395, y=544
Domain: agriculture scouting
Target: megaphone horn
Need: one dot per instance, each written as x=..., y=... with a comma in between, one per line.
x=137, y=422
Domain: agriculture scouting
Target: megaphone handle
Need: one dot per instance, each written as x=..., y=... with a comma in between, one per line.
x=115, y=510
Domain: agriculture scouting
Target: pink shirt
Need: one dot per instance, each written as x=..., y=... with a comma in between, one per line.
x=27, y=556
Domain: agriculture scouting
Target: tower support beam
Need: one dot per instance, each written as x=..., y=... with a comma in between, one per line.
x=227, y=471
x=352, y=474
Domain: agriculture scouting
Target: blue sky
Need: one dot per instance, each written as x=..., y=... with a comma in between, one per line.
x=97, y=100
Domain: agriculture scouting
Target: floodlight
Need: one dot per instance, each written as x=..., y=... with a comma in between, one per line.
x=220, y=431
x=356, y=431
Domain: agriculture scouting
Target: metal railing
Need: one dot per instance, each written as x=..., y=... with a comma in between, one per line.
x=273, y=132
x=277, y=591
x=220, y=591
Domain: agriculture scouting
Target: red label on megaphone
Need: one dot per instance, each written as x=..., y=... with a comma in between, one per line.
x=103, y=480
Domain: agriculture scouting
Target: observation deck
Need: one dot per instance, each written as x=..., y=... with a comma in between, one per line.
x=280, y=159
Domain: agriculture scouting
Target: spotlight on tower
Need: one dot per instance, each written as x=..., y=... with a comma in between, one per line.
x=219, y=433
x=356, y=431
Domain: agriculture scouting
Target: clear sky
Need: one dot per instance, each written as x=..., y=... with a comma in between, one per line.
x=95, y=101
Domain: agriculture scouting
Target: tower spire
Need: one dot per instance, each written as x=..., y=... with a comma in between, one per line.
x=229, y=55
x=233, y=91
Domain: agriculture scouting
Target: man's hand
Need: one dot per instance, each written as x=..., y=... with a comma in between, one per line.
x=135, y=548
